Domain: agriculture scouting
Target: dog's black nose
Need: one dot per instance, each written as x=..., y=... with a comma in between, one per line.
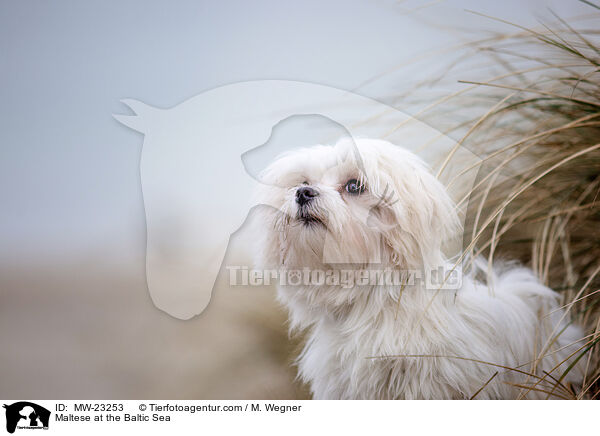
x=304, y=194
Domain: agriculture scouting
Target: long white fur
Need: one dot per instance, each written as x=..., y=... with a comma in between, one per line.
x=394, y=342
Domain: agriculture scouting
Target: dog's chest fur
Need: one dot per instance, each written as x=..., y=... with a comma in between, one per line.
x=380, y=358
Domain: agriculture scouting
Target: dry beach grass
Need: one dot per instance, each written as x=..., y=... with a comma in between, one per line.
x=534, y=121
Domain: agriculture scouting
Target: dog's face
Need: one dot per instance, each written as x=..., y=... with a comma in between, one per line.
x=353, y=203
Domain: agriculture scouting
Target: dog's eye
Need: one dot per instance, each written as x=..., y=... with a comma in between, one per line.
x=354, y=187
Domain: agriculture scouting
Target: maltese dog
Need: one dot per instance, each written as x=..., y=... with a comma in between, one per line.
x=359, y=231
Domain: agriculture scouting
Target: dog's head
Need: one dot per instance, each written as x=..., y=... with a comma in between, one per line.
x=358, y=202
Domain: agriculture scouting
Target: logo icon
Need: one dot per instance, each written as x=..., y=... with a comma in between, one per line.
x=200, y=142
x=26, y=415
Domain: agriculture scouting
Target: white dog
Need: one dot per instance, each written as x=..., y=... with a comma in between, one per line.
x=374, y=206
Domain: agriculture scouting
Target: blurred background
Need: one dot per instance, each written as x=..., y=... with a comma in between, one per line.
x=76, y=320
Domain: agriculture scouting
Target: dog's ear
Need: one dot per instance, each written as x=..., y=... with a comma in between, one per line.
x=418, y=214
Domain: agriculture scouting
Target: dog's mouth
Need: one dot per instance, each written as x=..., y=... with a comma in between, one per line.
x=308, y=218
